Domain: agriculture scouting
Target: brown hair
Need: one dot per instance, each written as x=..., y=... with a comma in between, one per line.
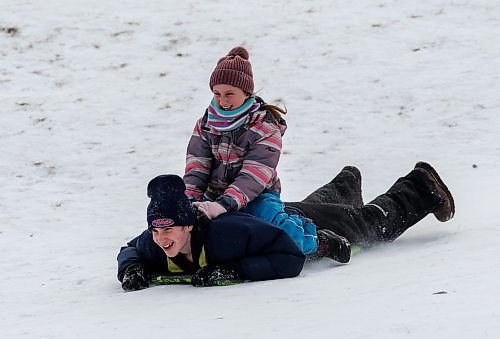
x=275, y=111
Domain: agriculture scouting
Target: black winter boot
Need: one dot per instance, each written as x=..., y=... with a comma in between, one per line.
x=345, y=189
x=357, y=199
x=355, y=171
x=446, y=210
x=333, y=246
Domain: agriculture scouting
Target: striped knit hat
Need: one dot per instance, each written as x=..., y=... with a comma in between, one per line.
x=234, y=69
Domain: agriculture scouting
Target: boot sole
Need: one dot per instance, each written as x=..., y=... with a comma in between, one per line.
x=344, y=255
x=439, y=182
x=354, y=171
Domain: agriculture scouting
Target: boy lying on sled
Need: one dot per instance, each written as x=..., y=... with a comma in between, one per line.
x=181, y=246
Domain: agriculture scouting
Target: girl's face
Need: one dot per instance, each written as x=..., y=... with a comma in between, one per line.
x=173, y=240
x=229, y=97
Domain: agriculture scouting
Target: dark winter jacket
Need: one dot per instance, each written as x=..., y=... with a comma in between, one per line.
x=234, y=167
x=257, y=249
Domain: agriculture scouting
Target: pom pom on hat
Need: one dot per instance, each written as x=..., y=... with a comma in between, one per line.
x=169, y=205
x=239, y=51
x=234, y=69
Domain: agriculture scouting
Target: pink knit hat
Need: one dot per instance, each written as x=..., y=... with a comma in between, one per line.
x=234, y=69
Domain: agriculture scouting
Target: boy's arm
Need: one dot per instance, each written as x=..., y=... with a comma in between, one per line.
x=259, y=250
x=144, y=251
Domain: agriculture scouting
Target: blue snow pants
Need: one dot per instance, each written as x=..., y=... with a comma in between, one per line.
x=269, y=207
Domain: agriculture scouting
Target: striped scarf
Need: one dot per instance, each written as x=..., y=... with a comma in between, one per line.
x=222, y=120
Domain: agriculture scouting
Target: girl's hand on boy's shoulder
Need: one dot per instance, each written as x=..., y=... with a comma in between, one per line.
x=211, y=209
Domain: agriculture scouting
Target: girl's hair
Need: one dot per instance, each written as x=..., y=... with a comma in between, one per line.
x=275, y=111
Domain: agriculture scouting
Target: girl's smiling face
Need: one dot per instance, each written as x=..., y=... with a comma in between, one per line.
x=173, y=240
x=228, y=97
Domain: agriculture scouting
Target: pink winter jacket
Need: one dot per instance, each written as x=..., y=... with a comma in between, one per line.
x=234, y=167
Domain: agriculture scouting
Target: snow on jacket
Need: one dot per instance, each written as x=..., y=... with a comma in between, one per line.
x=257, y=249
x=234, y=167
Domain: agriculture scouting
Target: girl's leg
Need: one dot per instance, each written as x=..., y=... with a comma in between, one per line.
x=269, y=207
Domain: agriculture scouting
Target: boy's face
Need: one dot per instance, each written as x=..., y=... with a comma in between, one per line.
x=229, y=97
x=173, y=240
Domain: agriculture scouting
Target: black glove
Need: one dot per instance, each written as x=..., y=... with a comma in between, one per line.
x=218, y=275
x=134, y=278
x=202, y=219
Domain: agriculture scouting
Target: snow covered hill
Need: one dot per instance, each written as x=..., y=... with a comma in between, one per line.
x=96, y=98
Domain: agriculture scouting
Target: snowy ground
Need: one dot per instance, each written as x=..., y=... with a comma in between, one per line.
x=96, y=98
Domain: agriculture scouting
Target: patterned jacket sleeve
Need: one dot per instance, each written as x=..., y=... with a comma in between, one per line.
x=198, y=163
x=258, y=169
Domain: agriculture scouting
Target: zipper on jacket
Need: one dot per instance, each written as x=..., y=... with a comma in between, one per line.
x=229, y=167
